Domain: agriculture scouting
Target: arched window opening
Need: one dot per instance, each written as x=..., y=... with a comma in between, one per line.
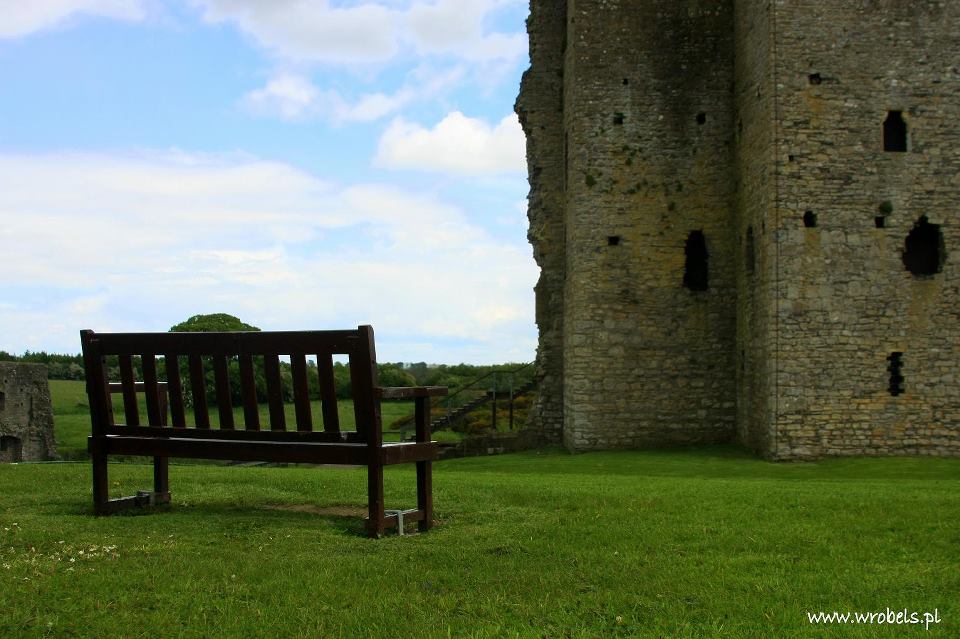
x=923, y=252
x=11, y=449
x=895, y=132
x=895, y=368
x=695, y=272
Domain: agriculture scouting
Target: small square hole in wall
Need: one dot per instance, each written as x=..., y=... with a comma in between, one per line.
x=701, y=118
x=880, y=222
x=815, y=78
x=810, y=219
x=791, y=158
x=613, y=240
x=626, y=82
x=618, y=118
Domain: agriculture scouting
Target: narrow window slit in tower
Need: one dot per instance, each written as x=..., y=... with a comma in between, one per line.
x=895, y=132
x=923, y=251
x=809, y=219
x=896, y=373
x=750, y=251
x=613, y=240
x=695, y=273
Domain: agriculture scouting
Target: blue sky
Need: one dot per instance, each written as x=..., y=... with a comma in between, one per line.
x=300, y=164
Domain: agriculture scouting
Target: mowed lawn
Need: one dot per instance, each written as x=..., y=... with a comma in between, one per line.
x=690, y=543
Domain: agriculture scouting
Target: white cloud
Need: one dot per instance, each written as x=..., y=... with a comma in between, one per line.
x=456, y=27
x=370, y=31
x=142, y=242
x=457, y=144
x=23, y=17
x=294, y=97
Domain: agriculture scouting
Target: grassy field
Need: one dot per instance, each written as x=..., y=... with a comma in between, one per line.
x=72, y=416
x=695, y=543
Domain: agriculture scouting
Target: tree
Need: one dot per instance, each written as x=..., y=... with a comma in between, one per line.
x=212, y=323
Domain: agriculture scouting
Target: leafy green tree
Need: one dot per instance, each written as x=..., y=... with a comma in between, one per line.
x=212, y=323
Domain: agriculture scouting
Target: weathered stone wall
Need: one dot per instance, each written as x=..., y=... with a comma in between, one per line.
x=756, y=229
x=760, y=125
x=648, y=117
x=26, y=416
x=846, y=300
x=540, y=108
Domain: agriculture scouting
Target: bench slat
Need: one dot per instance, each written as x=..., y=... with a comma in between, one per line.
x=306, y=452
x=248, y=391
x=198, y=386
x=151, y=389
x=301, y=392
x=271, y=368
x=130, y=409
x=232, y=343
x=175, y=390
x=222, y=383
x=328, y=394
x=233, y=435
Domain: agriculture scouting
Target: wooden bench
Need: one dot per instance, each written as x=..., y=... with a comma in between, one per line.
x=270, y=442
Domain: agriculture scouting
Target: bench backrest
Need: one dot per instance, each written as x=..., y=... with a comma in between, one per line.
x=253, y=352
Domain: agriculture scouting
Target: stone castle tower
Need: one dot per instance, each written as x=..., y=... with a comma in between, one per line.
x=744, y=213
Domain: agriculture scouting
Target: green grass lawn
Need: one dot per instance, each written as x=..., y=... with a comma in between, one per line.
x=695, y=543
x=72, y=416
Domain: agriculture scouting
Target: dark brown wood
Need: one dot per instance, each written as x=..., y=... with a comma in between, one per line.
x=222, y=381
x=424, y=468
x=198, y=388
x=240, y=450
x=151, y=389
x=301, y=392
x=271, y=369
x=233, y=435
x=330, y=446
x=161, y=475
x=328, y=394
x=131, y=411
x=248, y=391
x=101, y=415
x=175, y=387
x=232, y=343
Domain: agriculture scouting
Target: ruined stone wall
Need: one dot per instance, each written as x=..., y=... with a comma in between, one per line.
x=759, y=124
x=649, y=153
x=846, y=300
x=756, y=264
x=540, y=109
x=26, y=416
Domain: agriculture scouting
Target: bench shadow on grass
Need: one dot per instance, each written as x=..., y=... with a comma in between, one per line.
x=340, y=518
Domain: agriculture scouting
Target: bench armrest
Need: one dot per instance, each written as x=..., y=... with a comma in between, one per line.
x=405, y=392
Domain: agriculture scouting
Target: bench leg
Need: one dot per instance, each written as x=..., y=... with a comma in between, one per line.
x=101, y=495
x=161, y=480
x=375, y=523
x=425, y=494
